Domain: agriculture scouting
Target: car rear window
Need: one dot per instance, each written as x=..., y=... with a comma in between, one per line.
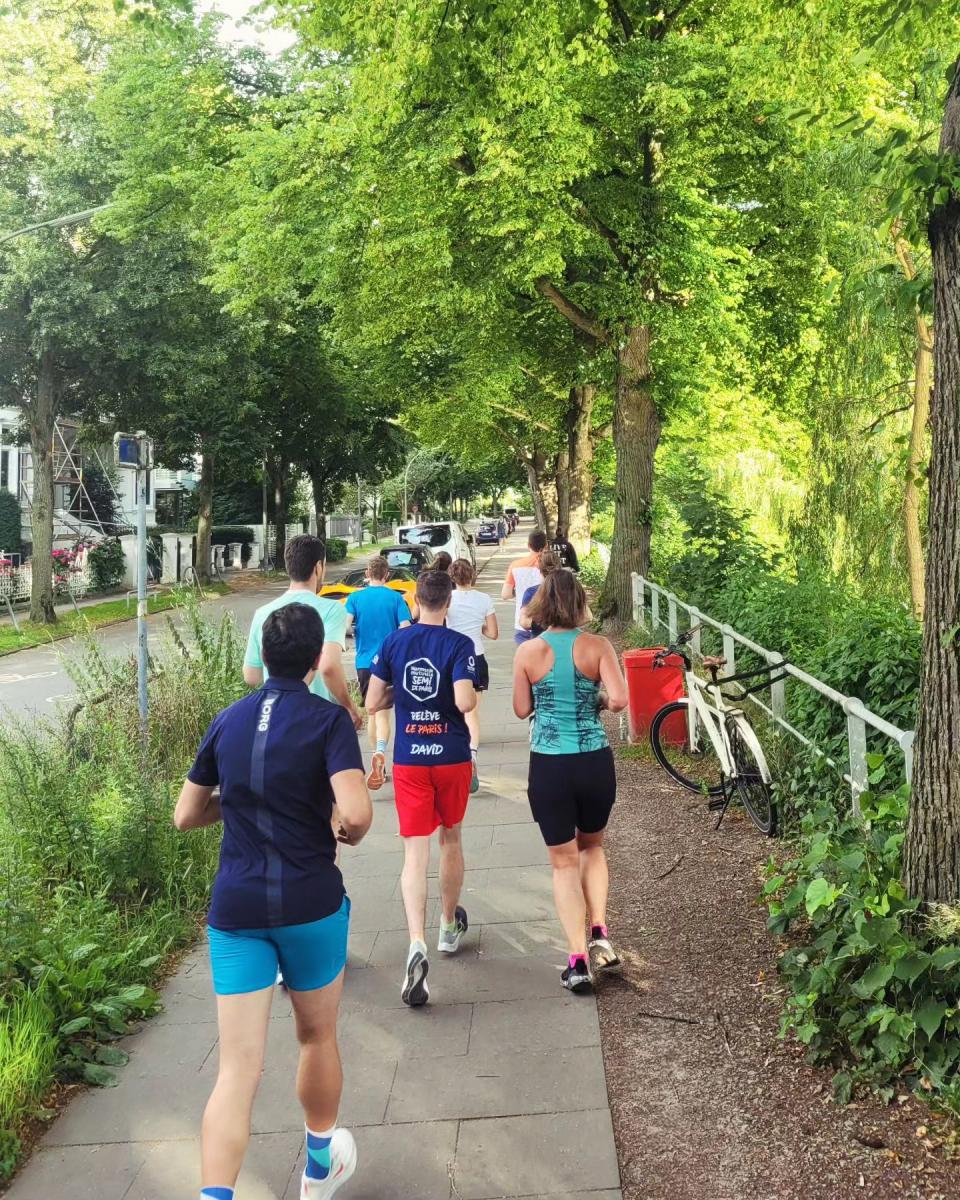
x=403, y=558
x=426, y=535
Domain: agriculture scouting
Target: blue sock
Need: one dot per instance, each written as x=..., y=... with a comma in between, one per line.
x=318, y=1154
x=216, y=1193
x=381, y=745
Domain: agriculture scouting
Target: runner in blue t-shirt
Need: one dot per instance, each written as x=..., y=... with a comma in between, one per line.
x=427, y=672
x=376, y=611
x=280, y=757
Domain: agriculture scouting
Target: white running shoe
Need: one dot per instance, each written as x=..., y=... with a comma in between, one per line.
x=343, y=1163
x=450, y=939
x=414, y=990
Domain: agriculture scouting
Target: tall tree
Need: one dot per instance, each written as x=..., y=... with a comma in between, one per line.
x=932, y=846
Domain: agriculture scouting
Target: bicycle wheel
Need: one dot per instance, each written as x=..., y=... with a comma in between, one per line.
x=751, y=781
x=695, y=767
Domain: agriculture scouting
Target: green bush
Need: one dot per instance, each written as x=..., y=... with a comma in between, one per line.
x=97, y=888
x=336, y=549
x=593, y=571
x=223, y=535
x=107, y=565
x=871, y=987
x=10, y=538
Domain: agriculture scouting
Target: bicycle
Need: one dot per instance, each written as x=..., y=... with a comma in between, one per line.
x=719, y=754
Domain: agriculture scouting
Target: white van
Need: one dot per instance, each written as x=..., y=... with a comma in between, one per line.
x=439, y=535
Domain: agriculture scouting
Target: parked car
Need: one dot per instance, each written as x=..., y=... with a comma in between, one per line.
x=412, y=558
x=400, y=579
x=487, y=534
x=439, y=535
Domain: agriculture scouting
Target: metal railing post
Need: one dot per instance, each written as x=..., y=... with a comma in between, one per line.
x=654, y=609
x=672, y=616
x=729, y=647
x=857, y=744
x=694, y=622
x=778, y=695
x=906, y=745
x=635, y=586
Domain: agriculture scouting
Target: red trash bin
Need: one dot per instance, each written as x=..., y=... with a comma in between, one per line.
x=650, y=688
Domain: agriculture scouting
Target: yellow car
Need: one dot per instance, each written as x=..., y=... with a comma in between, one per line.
x=399, y=580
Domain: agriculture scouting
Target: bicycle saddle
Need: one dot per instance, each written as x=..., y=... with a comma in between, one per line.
x=710, y=661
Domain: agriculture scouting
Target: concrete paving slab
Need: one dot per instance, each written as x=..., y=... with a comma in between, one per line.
x=537, y=1026
x=94, y=1172
x=497, y=1082
x=521, y=939
x=408, y=1162
x=173, y=1168
x=554, y=1155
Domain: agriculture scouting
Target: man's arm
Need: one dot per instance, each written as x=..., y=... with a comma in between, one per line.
x=197, y=806
x=465, y=695
x=331, y=672
x=354, y=810
x=379, y=695
x=509, y=586
x=252, y=662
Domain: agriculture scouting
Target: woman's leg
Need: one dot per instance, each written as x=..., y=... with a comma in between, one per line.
x=319, y=1075
x=568, y=895
x=242, y=1021
x=594, y=876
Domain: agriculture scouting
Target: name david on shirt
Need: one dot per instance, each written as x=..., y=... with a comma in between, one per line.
x=429, y=749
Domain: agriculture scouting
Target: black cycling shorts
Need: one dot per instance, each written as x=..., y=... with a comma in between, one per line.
x=482, y=681
x=363, y=678
x=571, y=793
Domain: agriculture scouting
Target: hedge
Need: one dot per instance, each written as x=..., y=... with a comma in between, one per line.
x=336, y=549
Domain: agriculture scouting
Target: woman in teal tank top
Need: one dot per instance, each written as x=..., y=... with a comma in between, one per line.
x=564, y=679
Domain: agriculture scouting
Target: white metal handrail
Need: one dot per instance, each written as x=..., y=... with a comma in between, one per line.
x=857, y=714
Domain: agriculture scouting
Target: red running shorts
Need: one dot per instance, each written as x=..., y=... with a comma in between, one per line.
x=430, y=796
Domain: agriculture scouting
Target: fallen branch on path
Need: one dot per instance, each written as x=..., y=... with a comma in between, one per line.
x=670, y=870
x=668, y=1017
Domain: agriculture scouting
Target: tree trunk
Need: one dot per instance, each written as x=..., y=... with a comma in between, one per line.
x=916, y=455
x=321, y=497
x=543, y=491
x=204, y=516
x=931, y=863
x=43, y=419
x=581, y=468
x=562, y=477
x=636, y=431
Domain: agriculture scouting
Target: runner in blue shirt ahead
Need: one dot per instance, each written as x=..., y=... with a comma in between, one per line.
x=281, y=758
x=376, y=611
x=428, y=673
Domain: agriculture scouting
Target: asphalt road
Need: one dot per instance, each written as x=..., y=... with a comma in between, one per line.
x=34, y=681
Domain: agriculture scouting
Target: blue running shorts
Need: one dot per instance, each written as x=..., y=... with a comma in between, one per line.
x=310, y=955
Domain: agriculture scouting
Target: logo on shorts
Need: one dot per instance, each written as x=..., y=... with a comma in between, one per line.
x=421, y=679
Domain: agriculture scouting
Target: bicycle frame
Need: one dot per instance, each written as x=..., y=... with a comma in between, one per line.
x=713, y=716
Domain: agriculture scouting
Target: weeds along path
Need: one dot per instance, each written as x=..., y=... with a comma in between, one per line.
x=707, y=1102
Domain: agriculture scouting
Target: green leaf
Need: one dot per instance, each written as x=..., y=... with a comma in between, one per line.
x=112, y=1056
x=911, y=966
x=74, y=1026
x=81, y=952
x=132, y=994
x=98, y=1075
x=872, y=980
x=929, y=1015
x=842, y=1087
x=946, y=957
x=820, y=894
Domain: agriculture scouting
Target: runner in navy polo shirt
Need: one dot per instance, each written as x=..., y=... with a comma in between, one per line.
x=427, y=672
x=280, y=757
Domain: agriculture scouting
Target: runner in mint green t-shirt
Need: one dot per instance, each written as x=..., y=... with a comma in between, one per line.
x=305, y=558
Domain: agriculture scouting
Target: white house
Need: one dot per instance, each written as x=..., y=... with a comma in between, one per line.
x=74, y=515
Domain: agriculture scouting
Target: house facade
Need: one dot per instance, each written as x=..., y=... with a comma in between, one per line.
x=75, y=515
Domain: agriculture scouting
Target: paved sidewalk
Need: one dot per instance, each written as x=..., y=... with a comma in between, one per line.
x=495, y=1089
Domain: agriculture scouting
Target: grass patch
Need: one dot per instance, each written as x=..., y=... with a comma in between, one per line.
x=93, y=616
x=97, y=889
